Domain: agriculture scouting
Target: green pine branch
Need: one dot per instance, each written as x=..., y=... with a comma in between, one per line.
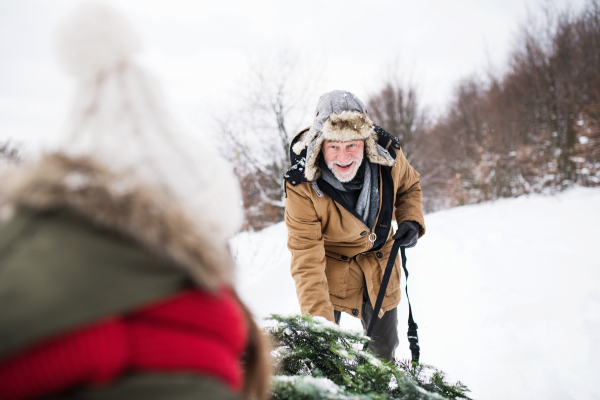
x=316, y=359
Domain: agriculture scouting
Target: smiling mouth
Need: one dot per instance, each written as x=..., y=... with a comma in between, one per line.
x=344, y=167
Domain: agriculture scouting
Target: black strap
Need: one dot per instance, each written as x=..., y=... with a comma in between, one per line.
x=413, y=338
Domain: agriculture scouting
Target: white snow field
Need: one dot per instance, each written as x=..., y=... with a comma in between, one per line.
x=506, y=293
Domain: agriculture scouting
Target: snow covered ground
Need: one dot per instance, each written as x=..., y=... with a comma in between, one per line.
x=506, y=294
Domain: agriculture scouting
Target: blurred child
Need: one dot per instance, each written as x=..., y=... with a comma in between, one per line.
x=115, y=274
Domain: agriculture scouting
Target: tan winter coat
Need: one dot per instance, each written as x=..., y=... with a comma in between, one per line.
x=331, y=250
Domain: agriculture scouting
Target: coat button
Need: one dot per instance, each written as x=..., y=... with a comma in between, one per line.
x=363, y=233
x=344, y=258
x=379, y=255
x=355, y=312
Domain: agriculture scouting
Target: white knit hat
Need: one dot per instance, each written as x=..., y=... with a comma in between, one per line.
x=119, y=119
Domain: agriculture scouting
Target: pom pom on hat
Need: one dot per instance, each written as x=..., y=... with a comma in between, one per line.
x=119, y=119
x=95, y=39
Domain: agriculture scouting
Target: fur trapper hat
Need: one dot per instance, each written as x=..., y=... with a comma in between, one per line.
x=340, y=116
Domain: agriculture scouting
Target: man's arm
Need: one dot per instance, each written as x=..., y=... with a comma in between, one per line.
x=409, y=198
x=305, y=241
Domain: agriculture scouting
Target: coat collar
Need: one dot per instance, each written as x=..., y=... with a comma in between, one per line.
x=121, y=204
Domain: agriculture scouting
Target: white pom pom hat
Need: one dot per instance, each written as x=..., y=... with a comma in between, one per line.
x=94, y=39
x=119, y=118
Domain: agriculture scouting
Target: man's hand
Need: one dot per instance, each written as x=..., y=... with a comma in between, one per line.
x=408, y=233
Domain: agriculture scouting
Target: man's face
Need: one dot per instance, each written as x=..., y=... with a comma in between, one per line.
x=343, y=158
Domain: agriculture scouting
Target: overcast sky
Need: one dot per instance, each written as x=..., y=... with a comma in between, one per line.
x=201, y=51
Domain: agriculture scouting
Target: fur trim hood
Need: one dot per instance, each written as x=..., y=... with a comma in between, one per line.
x=340, y=116
x=121, y=204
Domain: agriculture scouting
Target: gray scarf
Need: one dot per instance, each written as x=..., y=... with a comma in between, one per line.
x=367, y=204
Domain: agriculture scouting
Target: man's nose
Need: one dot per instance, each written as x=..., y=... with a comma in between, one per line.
x=344, y=156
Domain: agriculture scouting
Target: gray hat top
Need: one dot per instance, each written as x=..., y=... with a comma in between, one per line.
x=335, y=102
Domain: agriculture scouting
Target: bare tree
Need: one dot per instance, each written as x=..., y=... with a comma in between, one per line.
x=396, y=108
x=9, y=152
x=256, y=138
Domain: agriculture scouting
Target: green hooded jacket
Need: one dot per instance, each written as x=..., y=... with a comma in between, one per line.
x=72, y=256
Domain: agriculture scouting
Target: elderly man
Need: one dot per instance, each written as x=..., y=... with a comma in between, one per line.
x=348, y=177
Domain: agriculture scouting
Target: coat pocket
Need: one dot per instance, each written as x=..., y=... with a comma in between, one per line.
x=337, y=271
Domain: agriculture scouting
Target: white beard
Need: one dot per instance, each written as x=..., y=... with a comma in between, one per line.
x=349, y=175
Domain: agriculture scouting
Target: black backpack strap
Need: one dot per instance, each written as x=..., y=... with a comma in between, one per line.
x=413, y=338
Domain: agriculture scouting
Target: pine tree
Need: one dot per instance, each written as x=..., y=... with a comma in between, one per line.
x=316, y=359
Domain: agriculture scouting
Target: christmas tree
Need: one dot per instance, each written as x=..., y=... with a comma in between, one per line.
x=316, y=359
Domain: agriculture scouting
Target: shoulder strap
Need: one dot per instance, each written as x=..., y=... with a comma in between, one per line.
x=413, y=338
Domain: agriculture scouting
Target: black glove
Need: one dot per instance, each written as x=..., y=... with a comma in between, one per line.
x=408, y=233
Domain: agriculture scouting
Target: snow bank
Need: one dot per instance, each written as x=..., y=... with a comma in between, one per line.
x=263, y=273
x=506, y=294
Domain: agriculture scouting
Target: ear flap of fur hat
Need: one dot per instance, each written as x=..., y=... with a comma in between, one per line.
x=340, y=117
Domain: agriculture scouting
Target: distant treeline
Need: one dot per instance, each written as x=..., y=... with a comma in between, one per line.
x=535, y=128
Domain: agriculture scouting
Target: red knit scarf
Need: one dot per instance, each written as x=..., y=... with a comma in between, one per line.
x=192, y=332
